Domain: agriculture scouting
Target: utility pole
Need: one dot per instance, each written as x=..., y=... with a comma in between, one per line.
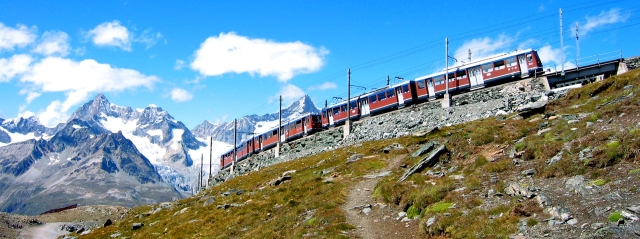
x=561, y=46
x=279, y=130
x=446, y=102
x=235, y=146
x=388, y=81
x=210, y=158
x=347, y=124
x=577, y=47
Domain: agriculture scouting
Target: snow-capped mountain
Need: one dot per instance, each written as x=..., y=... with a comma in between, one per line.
x=22, y=129
x=82, y=164
x=165, y=141
x=251, y=125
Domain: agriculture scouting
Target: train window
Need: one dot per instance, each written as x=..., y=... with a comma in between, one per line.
x=512, y=62
x=315, y=118
x=381, y=96
x=372, y=98
x=390, y=93
x=405, y=88
x=439, y=80
x=275, y=132
x=336, y=110
x=461, y=75
x=421, y=84
x=487, y=68
x=529, y=57
x=498, y=65
x=343, y=108
x=353, y=105
x=451, y=77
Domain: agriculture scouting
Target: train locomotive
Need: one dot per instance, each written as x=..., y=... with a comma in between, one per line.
x=477, y=74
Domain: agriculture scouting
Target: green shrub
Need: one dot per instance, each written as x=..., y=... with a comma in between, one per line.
x=532, y=222
x=615, y=216
x=413, y=211
x=439, y=207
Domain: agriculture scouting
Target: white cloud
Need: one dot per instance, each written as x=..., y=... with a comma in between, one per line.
x=289, y=93
x=53, y=43
x=179, y=64
x=76, y=80
x=111, y=34
x=148, y=38
x=230, y=53
x=484, y=47
x=13, y=66
x=551, y=58
x=324, y=86
x=180, y=95
x=604, y=18
x=19, y=36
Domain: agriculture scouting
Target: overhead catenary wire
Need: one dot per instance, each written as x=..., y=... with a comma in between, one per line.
x=542, y=35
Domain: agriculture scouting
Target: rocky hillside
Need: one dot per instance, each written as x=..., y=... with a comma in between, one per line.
x=557, y=168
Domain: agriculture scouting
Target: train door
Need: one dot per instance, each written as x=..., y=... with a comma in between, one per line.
x=400, y=96
x=331, y=112
x=305, y=121
x=364, y=106
x=260, y=142
x=475, y=78
x=432, y=91
x=283, y=136
x=524, y=68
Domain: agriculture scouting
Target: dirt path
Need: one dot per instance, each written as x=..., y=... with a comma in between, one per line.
x=381, y=221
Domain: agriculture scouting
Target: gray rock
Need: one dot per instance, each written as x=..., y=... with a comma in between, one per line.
x=366, y=210
x=428, y=161
x=354, y=158
x=137, y=226
x=424, y=149
x=543, y=200
x=576, y=185
x=629, y=216
x=596, y=226
x=514, y=189
x=209, y=201
x=555, y=158
x=635, y=208
x=431, y=221
x=572, y=221
x=528, y=172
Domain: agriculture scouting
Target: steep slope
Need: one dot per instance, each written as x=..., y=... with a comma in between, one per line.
x=81, y=164
x=166, y=142
x=253, y=124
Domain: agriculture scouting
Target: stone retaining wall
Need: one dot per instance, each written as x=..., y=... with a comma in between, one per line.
x=633, y=62
x=467, y=107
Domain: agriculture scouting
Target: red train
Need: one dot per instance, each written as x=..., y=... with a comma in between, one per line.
x=469, y=76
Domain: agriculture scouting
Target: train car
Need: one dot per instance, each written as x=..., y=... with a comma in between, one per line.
x=337, y=114
x=305, y=125
x=478, y=73
x=226, y=159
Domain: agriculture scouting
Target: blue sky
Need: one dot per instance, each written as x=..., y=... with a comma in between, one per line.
x=220, y=60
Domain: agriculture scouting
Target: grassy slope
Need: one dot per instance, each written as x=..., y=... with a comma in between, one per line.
x=477, y=151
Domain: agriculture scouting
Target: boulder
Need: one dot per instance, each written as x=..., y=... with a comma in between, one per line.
x=137, y=226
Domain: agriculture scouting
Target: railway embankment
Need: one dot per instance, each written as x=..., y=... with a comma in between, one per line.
x=416, y=119
x=632, y=62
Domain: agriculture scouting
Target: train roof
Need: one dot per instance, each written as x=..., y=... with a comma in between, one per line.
x=476, y=63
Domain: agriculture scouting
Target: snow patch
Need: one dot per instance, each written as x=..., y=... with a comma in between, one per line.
x=78, y=126
x=155, y=132
x=17, y=137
